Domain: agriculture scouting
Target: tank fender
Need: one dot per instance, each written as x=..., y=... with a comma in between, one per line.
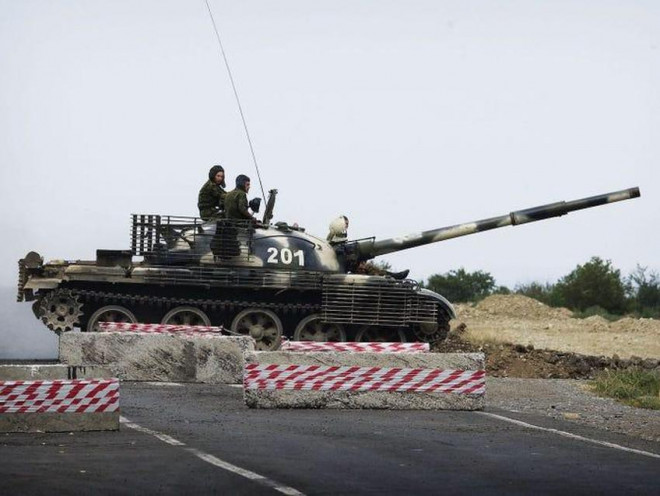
x=50, y=283
x=444, y=302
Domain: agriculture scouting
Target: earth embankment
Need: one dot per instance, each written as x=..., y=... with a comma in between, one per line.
x=522, y=337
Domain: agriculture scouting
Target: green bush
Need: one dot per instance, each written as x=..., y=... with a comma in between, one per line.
x=596, y=283
x=541, y=292
x=462, y=286
x=644, y=290
x=596, y=310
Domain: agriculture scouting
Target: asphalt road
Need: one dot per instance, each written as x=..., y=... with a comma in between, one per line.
x=198, y=438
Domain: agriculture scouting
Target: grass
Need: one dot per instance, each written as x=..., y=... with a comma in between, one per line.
x=634, y=387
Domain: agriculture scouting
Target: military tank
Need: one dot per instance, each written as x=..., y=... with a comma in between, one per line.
x=263, y=279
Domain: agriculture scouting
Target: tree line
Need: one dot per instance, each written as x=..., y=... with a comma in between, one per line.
x=593, y=288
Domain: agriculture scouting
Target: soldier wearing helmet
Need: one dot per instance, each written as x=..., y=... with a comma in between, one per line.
x=211, y=198
x=236, y=202
x=338, y=230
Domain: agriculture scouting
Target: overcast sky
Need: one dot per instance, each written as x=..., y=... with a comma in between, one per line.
x=403, y=116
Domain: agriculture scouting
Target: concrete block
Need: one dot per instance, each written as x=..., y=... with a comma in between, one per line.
x=352, y=347
x=420, y=381
x=33, y=372
x=160, y=357
x=59, y=422
x=59, y=405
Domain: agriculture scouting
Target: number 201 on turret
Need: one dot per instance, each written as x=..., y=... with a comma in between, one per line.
x=285, y=256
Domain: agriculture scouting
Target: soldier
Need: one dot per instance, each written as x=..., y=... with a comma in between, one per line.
x=236, y=202
x=211, y=198
x=338, y=230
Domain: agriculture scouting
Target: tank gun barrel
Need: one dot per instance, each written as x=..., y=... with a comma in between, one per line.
x=367, y=249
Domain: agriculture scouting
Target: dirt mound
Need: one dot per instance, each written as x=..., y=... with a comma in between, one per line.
x=516, y=360
x=597, y=321
x=521, y=320
x=520, y=306
x=628, y=324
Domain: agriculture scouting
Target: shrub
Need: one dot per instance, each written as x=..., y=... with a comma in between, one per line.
x=596, y=310
x=644, y=290
x=538, y=291
x=462, y=286
x=596, y=283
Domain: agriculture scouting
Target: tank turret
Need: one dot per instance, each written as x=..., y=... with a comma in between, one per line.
x=268, y=281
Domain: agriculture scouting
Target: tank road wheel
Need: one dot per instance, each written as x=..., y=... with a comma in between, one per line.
x=60, y=310
x=186, y=316
x=262, y=325
x=431, y=333
x=312, y=329
x=110, y=313
x=379, y=334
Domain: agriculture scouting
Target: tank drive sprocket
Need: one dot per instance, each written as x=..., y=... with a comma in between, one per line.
x=60, y=310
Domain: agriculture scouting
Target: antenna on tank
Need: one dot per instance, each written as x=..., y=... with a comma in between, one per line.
x=238, y=101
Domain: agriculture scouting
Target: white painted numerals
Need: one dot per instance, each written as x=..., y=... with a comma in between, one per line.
x=285, y=256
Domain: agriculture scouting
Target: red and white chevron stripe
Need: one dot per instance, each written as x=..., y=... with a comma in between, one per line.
x=158, y=328
x=355, y=347
x=324, y=378
x=73, y=396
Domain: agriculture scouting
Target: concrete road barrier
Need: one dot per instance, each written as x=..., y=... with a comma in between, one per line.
x=159, y=328
x=422, y=381
x=33, y=372
x=59, y=406
x=355, y=347
x=168, y=357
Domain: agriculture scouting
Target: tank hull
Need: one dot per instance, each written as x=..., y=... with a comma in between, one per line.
x=290, y=304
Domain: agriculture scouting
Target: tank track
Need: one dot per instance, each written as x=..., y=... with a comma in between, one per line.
x=205, y=304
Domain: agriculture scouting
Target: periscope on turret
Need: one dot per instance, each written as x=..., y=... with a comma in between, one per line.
x=267, y=280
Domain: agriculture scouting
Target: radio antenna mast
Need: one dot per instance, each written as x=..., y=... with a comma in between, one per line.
x=238, y=101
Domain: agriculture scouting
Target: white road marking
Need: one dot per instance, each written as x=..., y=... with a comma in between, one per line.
x=165, y=384
x=570, y=435
x=244, y=473
x=163, y=437
x=213, y=460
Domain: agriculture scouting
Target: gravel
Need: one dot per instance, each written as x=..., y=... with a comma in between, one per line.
x=570, y=400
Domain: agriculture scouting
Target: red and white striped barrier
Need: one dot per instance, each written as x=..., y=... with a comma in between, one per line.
x=324, y=378
x=73, y=396
x=159, y=328
x=355, y=347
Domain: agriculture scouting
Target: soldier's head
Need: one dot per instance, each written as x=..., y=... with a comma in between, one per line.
x=217, y=175
x=339, y=226
x=243, y=182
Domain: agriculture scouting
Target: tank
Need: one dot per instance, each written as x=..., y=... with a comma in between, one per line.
x=262, y=279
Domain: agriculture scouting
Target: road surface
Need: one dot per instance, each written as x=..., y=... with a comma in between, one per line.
x=196, y=439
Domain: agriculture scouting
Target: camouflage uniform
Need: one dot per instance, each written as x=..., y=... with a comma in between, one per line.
x=211, y=201
x=236, y=205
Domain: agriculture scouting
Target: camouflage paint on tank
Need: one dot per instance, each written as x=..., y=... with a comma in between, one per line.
x=368, y=249
x=208, y=264
x=274, y=247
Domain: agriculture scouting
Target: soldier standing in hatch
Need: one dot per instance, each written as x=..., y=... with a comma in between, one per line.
x=211, y=198
x=236, y=202
x=338, y=230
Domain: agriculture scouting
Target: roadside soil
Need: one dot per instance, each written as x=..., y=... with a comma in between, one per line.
x=518, y=319
x=571, y=400
x=524, y=338
x=527, y=342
